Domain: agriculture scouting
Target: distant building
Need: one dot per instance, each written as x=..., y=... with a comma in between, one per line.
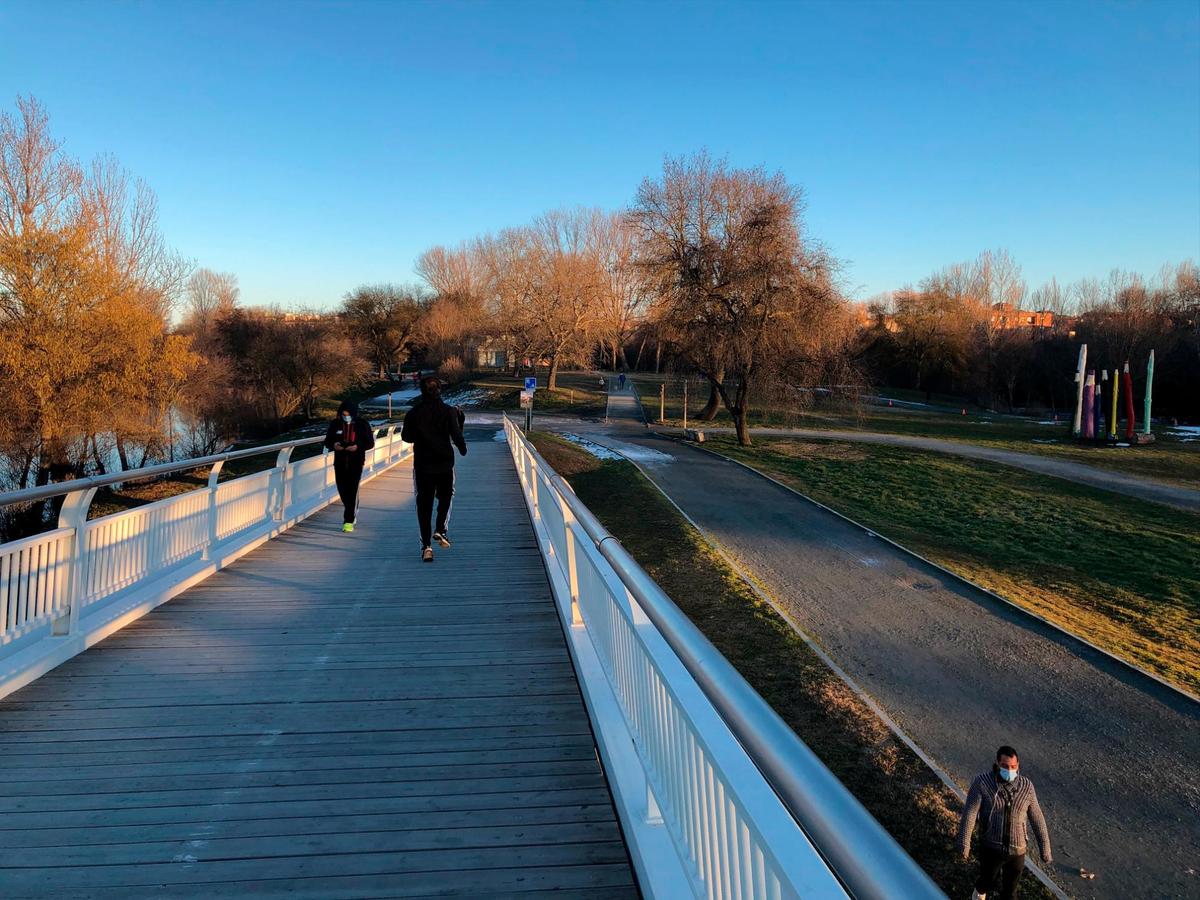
x=489, y=355
x=1007, y=317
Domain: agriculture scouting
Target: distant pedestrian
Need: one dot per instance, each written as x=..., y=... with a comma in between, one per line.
x=434, y=429
x=621, y=380
x=1004, y=802
x=349, y=437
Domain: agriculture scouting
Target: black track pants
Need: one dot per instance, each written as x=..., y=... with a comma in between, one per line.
x=992, y=863
x=431, y=485
x=347, y=472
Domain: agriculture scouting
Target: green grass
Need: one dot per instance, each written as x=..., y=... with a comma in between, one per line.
x=889, y=779
x=1122, y=573
x=1168, y=459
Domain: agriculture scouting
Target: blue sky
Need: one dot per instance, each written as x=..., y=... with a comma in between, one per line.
x=311, y=147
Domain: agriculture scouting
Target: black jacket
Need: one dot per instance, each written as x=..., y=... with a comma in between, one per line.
x=363, y=433
x=434, y=429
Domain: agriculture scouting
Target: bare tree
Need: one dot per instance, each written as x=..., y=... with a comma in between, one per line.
x=622, y=296
x=739, y=289
x=384, y=317
x=207, y=295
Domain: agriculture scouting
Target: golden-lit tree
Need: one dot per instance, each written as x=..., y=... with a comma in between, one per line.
x=86, y=289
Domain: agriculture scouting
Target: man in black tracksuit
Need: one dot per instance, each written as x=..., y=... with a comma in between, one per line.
x=349, y=437
x=434, y=429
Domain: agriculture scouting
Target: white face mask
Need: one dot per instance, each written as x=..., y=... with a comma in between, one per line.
x=346, y=417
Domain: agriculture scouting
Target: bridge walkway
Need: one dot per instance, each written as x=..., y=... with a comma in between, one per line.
x=328, y=717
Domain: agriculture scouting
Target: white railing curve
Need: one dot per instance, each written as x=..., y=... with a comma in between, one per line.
x=65, y=589
x=718, y=797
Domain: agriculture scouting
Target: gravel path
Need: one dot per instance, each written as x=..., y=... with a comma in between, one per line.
x=1115, y=756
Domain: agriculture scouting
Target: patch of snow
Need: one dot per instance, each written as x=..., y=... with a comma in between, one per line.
x=1050, y=422
x=400, y=397
x=467, y=398
x=637, y=453
x=1045, y=440
x=1185, y=433
x=595, y=449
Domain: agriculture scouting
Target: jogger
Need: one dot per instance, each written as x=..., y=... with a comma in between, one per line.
x=349, y=437
x=434, y=429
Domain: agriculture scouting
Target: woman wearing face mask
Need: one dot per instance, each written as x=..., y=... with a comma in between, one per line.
x=349, y=437
x=1004, y=802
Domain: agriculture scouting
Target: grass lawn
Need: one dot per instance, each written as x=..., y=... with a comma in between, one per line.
x=891, y=781
x=1168, y=459
x=1122, y=573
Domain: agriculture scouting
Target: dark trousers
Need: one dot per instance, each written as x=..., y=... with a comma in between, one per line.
x=430, y=485
x=347, y=472
x=993, y=863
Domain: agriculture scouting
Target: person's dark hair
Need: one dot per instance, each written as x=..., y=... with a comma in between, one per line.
x=430, y=386
x=1006, y=751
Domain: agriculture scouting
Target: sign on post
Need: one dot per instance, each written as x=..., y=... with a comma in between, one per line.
x=531, y=384
x=527, y=399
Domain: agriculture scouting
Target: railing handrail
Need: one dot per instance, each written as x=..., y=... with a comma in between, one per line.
x=860, y=853
x=44, y=492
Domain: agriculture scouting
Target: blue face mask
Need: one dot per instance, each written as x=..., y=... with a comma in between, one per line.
x=1008, y=774
x=346, y=418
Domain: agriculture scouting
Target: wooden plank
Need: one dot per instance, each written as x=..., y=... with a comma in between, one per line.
x=23, y=880
x=17, y=825
x=327, y=717
x=592, y=882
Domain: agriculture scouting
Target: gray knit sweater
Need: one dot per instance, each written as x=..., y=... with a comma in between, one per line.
x=1004, y=810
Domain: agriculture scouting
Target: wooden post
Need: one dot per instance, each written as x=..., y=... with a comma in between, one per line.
x=662, y=403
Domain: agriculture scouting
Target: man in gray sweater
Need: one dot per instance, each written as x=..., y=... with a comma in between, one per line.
x=1004, y=802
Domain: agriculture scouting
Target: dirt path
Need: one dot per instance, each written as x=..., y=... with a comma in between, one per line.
x=1115, y=756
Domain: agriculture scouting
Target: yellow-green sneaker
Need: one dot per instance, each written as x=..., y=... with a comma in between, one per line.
x=348, y=527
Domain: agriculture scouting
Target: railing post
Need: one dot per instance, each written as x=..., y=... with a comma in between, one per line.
x=654, y=814
x=214, y=476
x=572, y=570
x=285, y=482
x=74, y=515
x=533, y=488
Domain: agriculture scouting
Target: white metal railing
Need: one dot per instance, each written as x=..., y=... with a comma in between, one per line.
x=112, y=569
x=749, y=810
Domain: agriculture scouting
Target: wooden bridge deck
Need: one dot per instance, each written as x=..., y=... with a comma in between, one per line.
x=328, y=717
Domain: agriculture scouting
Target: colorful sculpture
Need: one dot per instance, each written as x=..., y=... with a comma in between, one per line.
x=1149, y=391
x=1127, y=389
x=1089, y=406
x=1116, y=391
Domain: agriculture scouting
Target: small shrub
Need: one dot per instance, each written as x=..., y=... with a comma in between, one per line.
x=452, y=370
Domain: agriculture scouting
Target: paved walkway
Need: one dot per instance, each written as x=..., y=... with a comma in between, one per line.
x=1121, y=482
x=1115, y=756
x=326, y=718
